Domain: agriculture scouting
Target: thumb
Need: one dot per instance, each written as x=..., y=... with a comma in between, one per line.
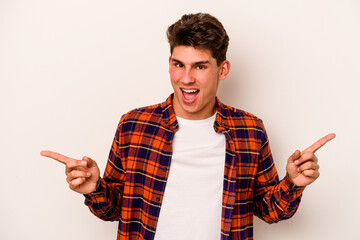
x=90, y=163
x=294, y=156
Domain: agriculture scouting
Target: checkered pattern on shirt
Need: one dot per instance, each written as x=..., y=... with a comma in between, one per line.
x=134, y=181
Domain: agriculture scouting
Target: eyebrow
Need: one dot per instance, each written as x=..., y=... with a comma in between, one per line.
x=195, y=63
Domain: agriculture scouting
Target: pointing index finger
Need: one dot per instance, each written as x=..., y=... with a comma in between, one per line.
x=319, y=143
x=56, y=156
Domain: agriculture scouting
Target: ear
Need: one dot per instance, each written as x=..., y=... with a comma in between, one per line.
x=169, y=63
x=224, y=69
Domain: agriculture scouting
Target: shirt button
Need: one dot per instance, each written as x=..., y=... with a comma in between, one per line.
x=164, y=169
x=158, y=199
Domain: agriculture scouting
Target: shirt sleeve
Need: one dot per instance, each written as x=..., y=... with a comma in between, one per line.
x=105, y=201
x=274, y=200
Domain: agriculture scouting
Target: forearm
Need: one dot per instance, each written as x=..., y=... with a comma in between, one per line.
x=105, y=201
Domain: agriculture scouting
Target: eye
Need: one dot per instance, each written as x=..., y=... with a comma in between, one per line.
x=179, y=65
x=200, y=67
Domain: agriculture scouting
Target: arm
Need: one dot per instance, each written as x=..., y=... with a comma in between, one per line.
x=278, y=200
x=105, y=201
x=274, y=200
x=103, y=195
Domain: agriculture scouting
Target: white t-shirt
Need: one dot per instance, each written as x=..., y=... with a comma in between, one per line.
x=192, y=202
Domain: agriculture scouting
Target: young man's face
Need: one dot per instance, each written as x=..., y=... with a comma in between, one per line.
x=195, y=77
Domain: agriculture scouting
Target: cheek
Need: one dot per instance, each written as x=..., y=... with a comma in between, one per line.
x=174, y=75
x=212, y=89
x=210, y=83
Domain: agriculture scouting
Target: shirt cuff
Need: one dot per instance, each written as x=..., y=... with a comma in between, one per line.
x=98, y=195
x=290, y=187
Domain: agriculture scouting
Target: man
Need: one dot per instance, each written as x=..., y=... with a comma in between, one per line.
x=192, y=167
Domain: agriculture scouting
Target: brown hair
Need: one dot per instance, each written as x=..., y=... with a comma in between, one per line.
x=200, y=30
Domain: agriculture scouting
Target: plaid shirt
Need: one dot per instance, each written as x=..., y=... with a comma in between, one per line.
x=134, y=181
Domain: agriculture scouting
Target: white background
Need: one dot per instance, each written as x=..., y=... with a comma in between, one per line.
x=70, y=69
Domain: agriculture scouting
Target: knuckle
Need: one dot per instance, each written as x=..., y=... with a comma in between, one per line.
x=309, y=155
x=311, y=165
x=68, y=164
x=74, y=182
x=308, y=173
x=70, y=184
x=305, y=166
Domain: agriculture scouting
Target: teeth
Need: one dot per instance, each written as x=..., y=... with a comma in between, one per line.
x=189, y=91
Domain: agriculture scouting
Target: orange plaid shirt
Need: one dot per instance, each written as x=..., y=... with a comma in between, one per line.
x=134, y=181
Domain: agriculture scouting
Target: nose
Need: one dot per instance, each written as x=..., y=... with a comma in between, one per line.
x=188, y=77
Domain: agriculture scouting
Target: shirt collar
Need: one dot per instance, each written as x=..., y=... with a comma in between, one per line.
x=169, y=118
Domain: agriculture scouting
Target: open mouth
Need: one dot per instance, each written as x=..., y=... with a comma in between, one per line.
x=189, y=95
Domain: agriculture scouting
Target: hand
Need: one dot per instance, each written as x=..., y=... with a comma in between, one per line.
x=302, y=168
x=82, y=175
